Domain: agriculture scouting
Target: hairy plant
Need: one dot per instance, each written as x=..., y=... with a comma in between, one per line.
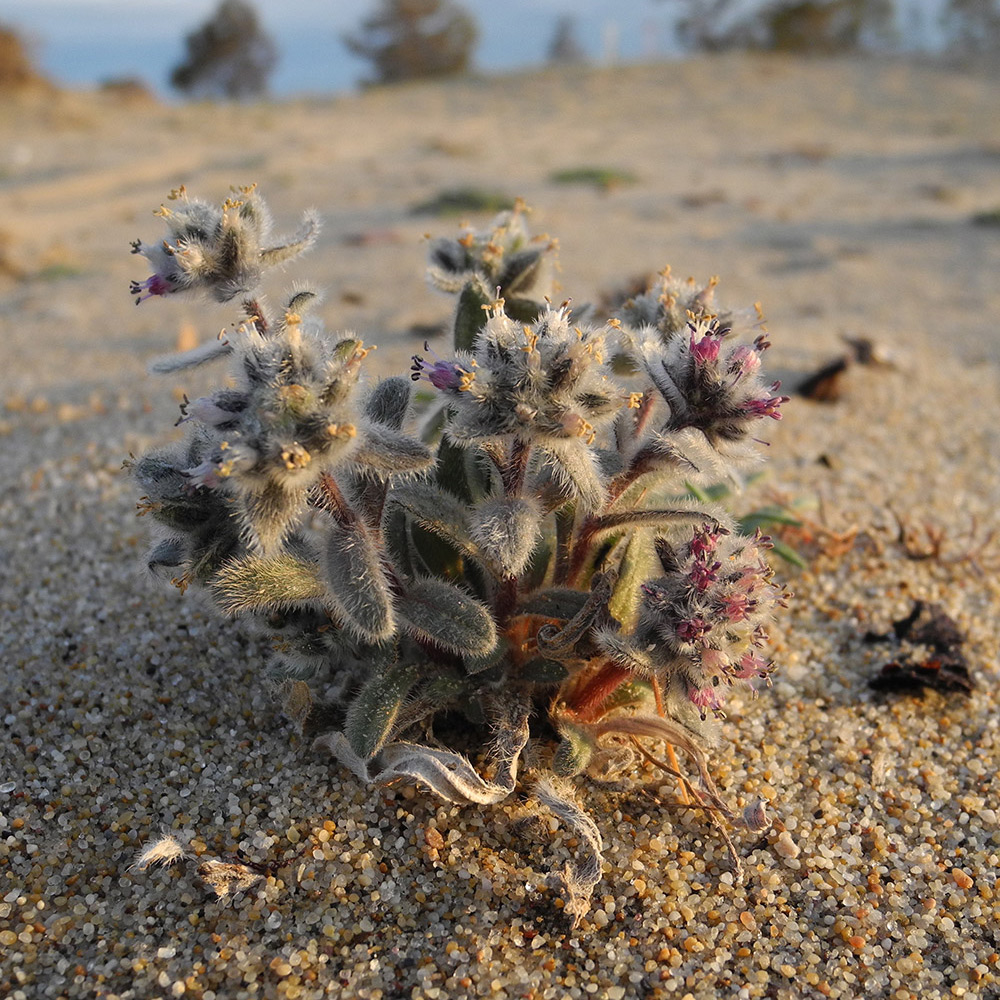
x=522, y=557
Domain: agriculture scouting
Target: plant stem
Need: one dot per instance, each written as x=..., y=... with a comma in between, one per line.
x=565, y=518
x=517, y=468
x=334, y=502
x=588, y=702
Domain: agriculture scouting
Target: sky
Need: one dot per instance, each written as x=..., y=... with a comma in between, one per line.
x=83, y=42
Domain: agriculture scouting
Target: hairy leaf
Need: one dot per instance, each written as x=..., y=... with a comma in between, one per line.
x=357, y=583
x=386, y=451
x=376, y=706
x=448, y=774
x=263, y=583
x=437, y=510
x=470, y=315
x=635, y=569
x=388, y=402
x=506, y=530
x=448, y=617
x=577, y=470
x=583, y=873
x=268, y=515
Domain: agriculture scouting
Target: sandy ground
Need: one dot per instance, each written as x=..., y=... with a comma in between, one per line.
x=839, y=194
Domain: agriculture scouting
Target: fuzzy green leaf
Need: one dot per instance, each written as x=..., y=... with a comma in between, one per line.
x=561, y=603
x=437, y=510
x=357, y=584
x=506, y=529
x=574, y=752
x=576, y=468
x=388, y=402
x=470, y=315
x=266, y=583
x=448, y=617
x=376, y=706
x=519, y=271
x=523, y=310
x=385, y=450
x=635, y=569
x=169, y=553
x=270, y=513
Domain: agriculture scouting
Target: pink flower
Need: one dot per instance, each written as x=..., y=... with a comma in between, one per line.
x=156, y=284
x=744, y=362
x=713, y=661
x=704, y=574
x=704, y=542
x=692, y=629
x=705, y=699
x=752, y=665
x=767, y=406
x=448, y=376
x=734, y=607
x=704, y=349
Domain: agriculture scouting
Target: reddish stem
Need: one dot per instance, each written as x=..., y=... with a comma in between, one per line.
x=588, y=702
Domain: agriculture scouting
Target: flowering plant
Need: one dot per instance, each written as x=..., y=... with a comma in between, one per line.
x=524, y=557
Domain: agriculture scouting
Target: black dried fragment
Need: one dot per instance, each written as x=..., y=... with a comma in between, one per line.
x=912, y=677
x=945, y=670
x=827, y=384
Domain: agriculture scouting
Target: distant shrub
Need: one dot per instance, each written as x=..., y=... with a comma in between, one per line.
x=410, y=39
x=230, y=55
x=820, y=27
x=128, y=89
x=564, y=49
x=602, y=178
x=457, y=201
x=16, y=68
x=973, y=27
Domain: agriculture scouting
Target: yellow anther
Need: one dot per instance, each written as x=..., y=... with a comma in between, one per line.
x=296, y=457
x=341, y=430
x=180, y=192
x=634, y=400
x=231, y=203
x=163, y=212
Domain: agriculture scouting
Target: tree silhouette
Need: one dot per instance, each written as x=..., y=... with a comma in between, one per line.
x=408, y=39
x=17, y=71
x=564, y=47
x=817, y=27
x=973, y=27
x=230, y=55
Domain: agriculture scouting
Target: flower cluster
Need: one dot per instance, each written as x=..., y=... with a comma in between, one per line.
x=219, y=249
x=504, y=259
x=669, y=305
x=709, y=383
x=702, y=624
x=543, y=384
